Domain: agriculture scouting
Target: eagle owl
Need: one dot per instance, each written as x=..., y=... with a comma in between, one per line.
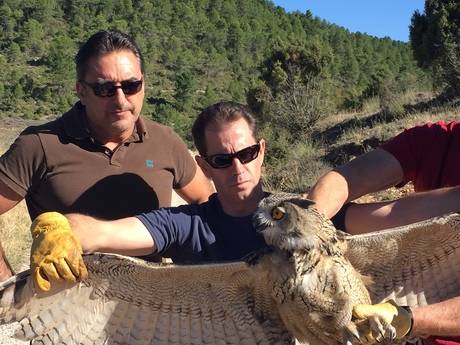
x=302, y=286
x=313, y=283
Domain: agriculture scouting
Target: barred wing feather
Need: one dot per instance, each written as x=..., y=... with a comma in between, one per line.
x=128, y=301
x=417, y=264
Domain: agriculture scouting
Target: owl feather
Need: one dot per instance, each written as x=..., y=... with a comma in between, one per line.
x=303, y=288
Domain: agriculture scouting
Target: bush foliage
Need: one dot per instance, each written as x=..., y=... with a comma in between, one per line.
x=196, y=52
x=292, y=69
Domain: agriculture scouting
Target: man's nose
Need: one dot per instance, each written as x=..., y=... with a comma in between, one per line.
x=237, y=166
x=119, y=96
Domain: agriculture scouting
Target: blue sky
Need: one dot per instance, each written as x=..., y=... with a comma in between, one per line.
x=375, y=17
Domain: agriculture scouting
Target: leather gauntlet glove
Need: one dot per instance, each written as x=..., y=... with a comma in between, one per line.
x=387, y=320
x=56, y=252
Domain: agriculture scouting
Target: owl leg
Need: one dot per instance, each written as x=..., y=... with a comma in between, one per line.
x=337, y=313
x=350, y=335
x=333, y=316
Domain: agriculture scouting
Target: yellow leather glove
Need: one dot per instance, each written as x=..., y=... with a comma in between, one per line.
x=56, y=252
x=383, y=315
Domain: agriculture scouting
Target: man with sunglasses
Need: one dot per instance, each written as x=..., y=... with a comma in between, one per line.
x=101, y=158
x=230, y=153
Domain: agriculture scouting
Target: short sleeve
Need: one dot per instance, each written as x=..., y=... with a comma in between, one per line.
x=174, y=227
x=421, y=151
x=339, y=219
x=23, y=165
x=184, y=164
x=417, y=145
x=403, y=149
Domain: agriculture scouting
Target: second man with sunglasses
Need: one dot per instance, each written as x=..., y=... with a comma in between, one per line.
x=231, y=154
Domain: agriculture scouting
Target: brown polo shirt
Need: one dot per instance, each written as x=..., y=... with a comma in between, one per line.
x=58, y=166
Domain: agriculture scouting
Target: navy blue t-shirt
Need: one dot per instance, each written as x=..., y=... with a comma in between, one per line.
x=196, y=233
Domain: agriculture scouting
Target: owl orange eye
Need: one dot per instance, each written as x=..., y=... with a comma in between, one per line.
x=277, y=213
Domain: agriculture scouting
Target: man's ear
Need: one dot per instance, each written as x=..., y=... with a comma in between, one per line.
x=81, y=92
x=262, y=149
x=204, y=166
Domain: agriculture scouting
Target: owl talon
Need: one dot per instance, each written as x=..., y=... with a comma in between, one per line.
x=369, y=331
x=350, y=335
x=384, y=331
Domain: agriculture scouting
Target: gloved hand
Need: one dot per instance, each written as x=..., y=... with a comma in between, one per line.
x=56, y=252
x=387, y=321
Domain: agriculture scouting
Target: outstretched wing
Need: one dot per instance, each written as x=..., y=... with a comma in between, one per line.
x=129, y=301
x=417, y=264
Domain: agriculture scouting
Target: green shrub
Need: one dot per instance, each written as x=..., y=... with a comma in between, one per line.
x=291, y=167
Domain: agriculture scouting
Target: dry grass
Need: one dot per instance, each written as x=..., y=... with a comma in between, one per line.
x=355, y=128
x=14, y=224
x=358, y=132
x=15, y=236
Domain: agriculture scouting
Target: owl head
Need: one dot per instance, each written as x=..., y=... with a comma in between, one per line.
x=292, y=223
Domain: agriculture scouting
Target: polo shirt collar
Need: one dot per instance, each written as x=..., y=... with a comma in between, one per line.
x=74, y=121
x=141, y=129
x=76, y=125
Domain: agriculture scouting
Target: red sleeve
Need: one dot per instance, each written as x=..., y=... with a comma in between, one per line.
x=420, y=150
x=400, y=147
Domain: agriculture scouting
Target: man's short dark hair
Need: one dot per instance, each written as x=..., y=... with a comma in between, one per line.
x=217, y=115
x=104, y=42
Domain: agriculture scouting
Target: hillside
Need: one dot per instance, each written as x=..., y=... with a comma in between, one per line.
x=337, y=139
x=196, y=52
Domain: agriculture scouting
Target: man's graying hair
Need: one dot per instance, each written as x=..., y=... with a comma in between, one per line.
x=101, y=43
x=217, y=115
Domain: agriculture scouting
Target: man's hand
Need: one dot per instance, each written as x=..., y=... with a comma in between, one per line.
x=387, y=322
x=56, y=252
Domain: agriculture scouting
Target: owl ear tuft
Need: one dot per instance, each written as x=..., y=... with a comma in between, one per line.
x=303, y=203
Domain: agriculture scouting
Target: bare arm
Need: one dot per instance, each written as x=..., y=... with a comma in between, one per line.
x=371, y=172
x=8, y=198
x=5, y=268
x=198, y=190
x=437, y=319
x=362, y=218
x=127, y=236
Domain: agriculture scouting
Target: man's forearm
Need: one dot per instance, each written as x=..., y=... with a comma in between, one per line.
x=127, y=236
x=371, y=172
x=362, y=218
x=329, y=193
x=440, y=319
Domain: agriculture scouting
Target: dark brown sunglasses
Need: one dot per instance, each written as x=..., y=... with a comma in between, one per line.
x=224, y=160
x=109, y=88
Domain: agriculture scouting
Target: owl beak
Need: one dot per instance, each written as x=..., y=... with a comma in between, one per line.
x=260, y=222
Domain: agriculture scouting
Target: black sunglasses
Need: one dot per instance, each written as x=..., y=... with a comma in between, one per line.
x=108, y=88
x=224, y=160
